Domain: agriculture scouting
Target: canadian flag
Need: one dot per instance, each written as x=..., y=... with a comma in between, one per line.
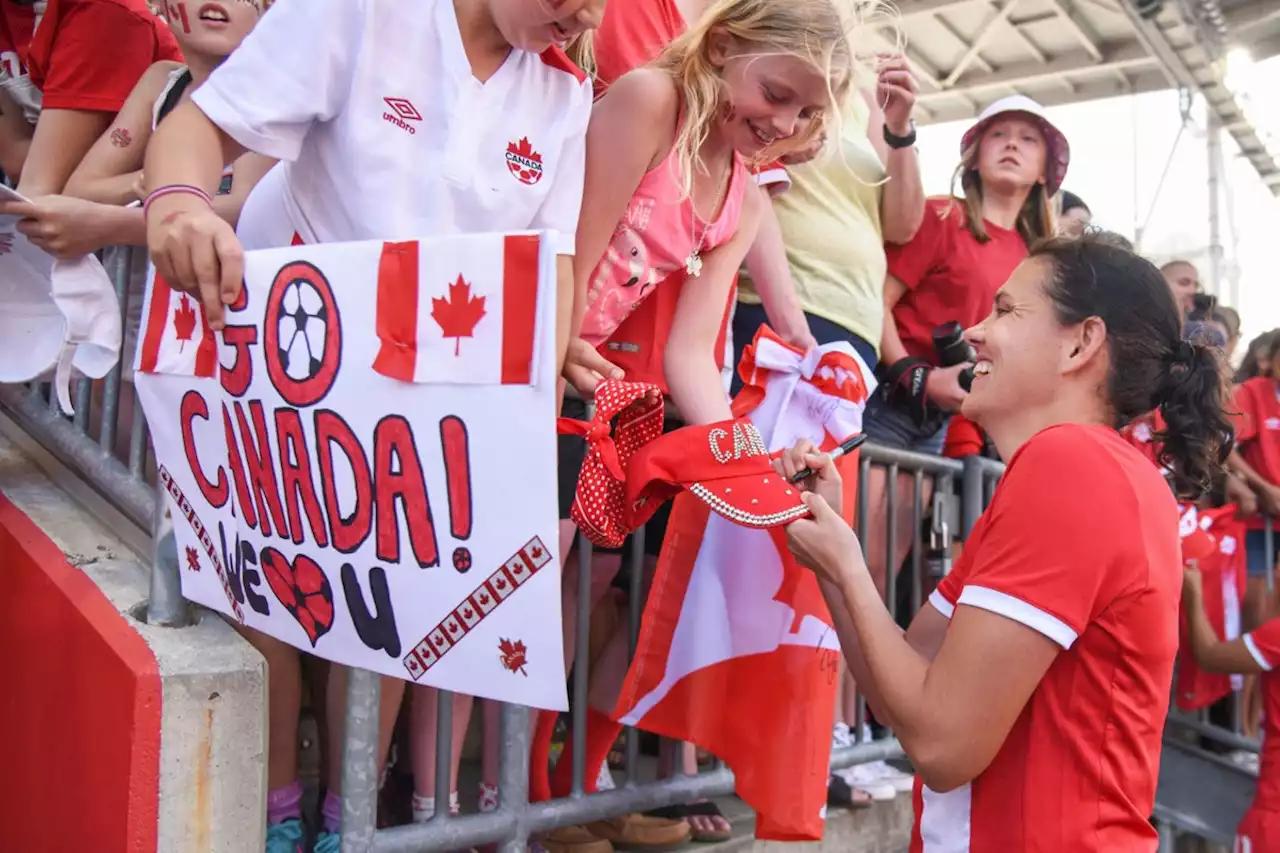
x=437, y=326
x=1224, y=576
x=737, y=652
x=176, y=337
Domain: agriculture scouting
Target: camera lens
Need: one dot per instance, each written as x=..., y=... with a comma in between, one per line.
x=949, y=342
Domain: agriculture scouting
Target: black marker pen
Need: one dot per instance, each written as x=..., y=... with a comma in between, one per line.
x=847, y=446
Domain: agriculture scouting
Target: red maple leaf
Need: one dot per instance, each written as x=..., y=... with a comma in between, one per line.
x=458, y=313
x=184, y=321
x=536, y=553
x=524, y=149
x=193, y=559
x=513, y=655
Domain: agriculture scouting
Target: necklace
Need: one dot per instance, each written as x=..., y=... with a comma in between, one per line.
x=693, y=263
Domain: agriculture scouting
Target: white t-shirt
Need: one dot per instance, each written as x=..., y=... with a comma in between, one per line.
x=384, y=132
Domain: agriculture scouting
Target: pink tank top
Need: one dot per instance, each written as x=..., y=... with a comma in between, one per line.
x=657, y=234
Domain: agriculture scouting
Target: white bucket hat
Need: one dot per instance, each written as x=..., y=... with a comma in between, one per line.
x=54, y=315
x=1057, y=149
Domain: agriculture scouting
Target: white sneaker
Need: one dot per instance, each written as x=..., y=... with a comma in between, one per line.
x=604, y=779
x=890, y=775
x=864, y=779
x=841, y=736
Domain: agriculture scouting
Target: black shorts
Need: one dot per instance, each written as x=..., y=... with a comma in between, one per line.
x=572, y=450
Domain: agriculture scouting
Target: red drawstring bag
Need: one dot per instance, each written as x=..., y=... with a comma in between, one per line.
x=598, y=505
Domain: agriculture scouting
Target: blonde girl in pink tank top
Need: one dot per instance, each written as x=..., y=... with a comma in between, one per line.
x=668, y=151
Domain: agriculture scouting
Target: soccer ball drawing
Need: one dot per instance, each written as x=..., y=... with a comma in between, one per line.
x=303, y=325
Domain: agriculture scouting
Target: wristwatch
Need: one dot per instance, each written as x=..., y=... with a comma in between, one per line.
x=894, y=141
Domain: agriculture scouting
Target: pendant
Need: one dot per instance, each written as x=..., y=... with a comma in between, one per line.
x=693, y=264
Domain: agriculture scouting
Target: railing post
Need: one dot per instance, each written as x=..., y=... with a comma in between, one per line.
x=165, y=604
x=360, y=761
x=971, y=494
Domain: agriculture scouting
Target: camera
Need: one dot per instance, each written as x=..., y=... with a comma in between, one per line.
x=953, y=349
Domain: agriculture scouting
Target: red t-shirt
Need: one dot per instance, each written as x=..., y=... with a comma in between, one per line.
x=964, y=438
x=948, y=274
x=632, y=34
x=87, y=54
x=1264, y=645
x=1222, y=566
x=1080, y=543
x=1257, y=401
x=16, y=25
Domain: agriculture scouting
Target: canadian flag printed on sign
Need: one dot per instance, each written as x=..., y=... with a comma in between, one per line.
x=440, y=325
x=176, y=337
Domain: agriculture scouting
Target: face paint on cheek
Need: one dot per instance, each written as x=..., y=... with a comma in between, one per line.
x=178, y=11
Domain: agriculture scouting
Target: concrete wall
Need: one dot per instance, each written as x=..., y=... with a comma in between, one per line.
x=118, y=736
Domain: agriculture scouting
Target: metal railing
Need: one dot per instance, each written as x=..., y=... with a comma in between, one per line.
x=106, y=445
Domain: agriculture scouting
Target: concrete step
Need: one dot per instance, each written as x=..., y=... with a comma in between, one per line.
x=883, y=828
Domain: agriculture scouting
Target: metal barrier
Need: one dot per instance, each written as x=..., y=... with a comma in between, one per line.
x=111, y=453
x=88, y=443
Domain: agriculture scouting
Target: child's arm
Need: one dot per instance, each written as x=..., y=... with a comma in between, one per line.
x=631, y=130
x=689, y=359
x=1213, y=654
x=771, y=274
x=15, y=136
x=292, y=71
x=109, y=172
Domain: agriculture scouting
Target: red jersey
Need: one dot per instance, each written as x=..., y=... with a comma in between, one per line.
x=1080, y=543
x=1258, y=429
x=948, y=274
x=86, y=54
x=1222, y=566
x=1264, y=645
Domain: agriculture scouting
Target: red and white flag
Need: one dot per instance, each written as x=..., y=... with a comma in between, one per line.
x=437, y=326
x=737, y=652
x=175, y=337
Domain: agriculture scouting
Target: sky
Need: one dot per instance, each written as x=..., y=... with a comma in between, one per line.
x=1119, y=150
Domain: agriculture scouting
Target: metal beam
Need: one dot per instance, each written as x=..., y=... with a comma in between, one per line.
x=956, y=109
x=1127, y=56
x=984, y=33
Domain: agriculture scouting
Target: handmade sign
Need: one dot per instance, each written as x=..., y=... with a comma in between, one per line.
x=362, y=464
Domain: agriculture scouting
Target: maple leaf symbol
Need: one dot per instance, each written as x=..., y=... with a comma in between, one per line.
x=467, y=614
x=458, y=313
x=484, y=599
x=536, y=553
x=524, y=149
x=193, y=559
x=514, y=655
x=184, y=321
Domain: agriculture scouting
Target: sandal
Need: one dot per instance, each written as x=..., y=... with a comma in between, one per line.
x=618, y=752
x=841, y=796
x=707, y=809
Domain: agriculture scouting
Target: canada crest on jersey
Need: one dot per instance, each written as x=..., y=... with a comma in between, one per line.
x=524, y=162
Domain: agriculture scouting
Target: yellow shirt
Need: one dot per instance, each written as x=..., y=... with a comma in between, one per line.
x=830, y=219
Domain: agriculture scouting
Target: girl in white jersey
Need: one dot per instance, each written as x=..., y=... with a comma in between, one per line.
x=392, y=121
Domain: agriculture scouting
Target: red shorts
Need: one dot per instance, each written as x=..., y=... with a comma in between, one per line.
x=1259, y=832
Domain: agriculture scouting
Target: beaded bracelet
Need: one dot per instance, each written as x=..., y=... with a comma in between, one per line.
x=173, y=189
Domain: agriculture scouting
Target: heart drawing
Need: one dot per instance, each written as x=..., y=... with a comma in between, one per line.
x=303, y=590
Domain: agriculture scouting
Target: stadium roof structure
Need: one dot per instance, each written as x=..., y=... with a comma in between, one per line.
x=968, y=53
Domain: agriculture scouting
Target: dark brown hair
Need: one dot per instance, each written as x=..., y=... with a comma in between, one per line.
x=1152, y=367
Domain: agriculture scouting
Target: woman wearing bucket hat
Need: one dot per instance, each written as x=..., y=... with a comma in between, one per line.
x=1012, y=162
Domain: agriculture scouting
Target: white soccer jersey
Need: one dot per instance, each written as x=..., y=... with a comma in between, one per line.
x=385, y=132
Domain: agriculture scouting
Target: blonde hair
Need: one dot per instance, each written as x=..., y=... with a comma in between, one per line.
x=1038, y=218
x=820, y=32
x=581, y=49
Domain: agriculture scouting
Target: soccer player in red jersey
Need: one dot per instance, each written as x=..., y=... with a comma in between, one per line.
x=1031, y=692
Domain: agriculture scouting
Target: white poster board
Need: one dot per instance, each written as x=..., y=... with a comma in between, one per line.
x=362, y=464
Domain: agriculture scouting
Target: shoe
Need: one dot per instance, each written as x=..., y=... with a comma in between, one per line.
x=863, y=779
x=327, y=842
x=901, y=782
x=641, y=832
x=487, y=799
x=604, y=779
x=841, y=736
x=842, y=796
x=572, y=839
x=285, y=837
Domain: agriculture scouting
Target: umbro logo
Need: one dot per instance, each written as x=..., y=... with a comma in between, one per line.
x=402, y=112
